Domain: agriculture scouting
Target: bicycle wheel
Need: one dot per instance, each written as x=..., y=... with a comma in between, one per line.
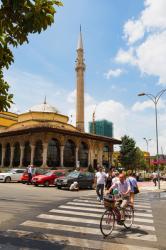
x=107, y=222
x=129, y=217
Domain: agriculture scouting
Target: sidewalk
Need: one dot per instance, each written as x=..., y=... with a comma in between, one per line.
x=149, y=186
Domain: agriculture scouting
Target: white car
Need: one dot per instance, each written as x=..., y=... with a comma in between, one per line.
x=12, y=175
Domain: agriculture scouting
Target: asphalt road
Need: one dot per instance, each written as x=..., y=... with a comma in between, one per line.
x=47, y=218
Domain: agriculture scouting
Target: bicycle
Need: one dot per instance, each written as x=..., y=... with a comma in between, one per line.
x=112, y=215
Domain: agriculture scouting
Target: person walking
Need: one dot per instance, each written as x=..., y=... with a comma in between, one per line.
x=134, y=186
x=108, y=180
x=100, y=179
x=154, y=178
x=29, y=174
x=115, y=177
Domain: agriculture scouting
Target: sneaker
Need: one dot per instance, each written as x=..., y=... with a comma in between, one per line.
x=98, y=199
x=102, y=202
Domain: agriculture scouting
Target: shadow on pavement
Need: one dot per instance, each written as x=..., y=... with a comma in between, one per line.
x=13, y=242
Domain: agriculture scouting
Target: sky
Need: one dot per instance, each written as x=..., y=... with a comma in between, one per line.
x=125, y=54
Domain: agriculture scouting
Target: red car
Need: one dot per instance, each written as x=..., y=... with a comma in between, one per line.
x=35, y=172
x=48, y=178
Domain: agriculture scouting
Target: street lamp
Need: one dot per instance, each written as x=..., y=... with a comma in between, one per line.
x=147, y=143
x=155, y=99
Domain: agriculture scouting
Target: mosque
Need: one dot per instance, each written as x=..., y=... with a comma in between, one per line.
x=43, y=137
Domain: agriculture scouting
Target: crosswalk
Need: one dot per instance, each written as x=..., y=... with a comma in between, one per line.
x=76, y=223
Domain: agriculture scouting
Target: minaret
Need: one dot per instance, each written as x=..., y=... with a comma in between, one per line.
x=80, y=68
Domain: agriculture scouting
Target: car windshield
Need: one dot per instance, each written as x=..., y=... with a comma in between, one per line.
x=11, y=171
x=49, y=173
x=73, y=174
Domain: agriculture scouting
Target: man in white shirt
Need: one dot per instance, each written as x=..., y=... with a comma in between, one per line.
x=115, y=178
x=100, y=179
x=124, y=189
x=29, y=174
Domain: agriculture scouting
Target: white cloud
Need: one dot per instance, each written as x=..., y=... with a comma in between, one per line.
x=140, y=106
x=126, y=56
x=149, y=54
x=151, y=19
x=113, y=73
x=133, y=31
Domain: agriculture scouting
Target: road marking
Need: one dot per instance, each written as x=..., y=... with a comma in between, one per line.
x=88, y=230
x=82, y=220
x=97, y=202
x=83, y=208
x=78, y=242
x=93, y=214
x=95, y=205
x=95, y=209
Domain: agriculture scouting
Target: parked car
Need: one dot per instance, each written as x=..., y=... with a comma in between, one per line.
x=84, y=179
x=12, y=175
x=48, y=178
x=35, y=172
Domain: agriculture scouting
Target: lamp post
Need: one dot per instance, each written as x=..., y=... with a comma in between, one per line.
x=155, y=99
x=147, y=143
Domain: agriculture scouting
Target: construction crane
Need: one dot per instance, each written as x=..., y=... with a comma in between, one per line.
x=93, y=121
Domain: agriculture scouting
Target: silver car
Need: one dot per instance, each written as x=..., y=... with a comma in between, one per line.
x=12, y=175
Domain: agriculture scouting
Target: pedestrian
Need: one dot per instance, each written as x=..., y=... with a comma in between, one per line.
x=74, y=186
x=109, y=180
x=154, y=178
x=134, y=187
x=29, y=174
x=115, y=177
x=100, y=179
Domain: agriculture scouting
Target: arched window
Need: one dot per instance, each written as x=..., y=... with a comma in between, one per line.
x=69, y=154
x=106, y=154
x=7, y=155
x=27, y=154
x=53, y=153
x=38, y=157
x=16, y=156
x=0, y=154
x=83, y=155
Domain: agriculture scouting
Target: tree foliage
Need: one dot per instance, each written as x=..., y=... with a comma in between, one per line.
x=18, y=19
x=127, y=152
x=131, y=157
x=139, y=162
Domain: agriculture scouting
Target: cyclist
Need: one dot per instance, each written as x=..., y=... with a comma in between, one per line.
x=123, y=187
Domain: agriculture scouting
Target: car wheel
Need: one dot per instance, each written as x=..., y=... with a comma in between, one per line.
x=35, y=185
x=46, y=183
x=8, y=179
x=59, y=187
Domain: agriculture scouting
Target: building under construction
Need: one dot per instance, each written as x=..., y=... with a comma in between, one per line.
x=101, y=127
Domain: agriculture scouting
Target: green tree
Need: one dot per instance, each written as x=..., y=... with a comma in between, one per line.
x=18, y=19
x=139, y=163
x=127, y=152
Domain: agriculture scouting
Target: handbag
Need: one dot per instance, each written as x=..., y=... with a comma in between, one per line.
x=136, y=190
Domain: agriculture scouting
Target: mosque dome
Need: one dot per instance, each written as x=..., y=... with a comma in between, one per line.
x=44, y=107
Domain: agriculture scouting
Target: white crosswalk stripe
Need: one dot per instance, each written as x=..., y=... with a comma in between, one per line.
x=85, y=243
x=80, y=220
